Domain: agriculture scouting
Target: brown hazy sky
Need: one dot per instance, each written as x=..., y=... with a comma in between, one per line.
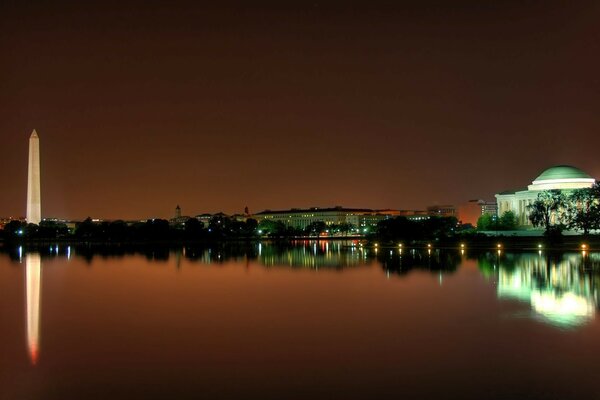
x=141, y=106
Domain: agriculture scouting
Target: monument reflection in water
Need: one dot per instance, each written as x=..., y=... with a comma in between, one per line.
x=561, y=289
x=33, y=279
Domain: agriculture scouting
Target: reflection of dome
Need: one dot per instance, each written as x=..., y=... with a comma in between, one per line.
x=559, y=292
x=564, y=309
x=562, y=177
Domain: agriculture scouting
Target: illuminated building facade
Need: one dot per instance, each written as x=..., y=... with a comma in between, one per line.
x=560, y=177
x=301, y=218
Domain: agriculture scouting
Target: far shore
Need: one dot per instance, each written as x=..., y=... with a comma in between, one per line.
x=479, y=242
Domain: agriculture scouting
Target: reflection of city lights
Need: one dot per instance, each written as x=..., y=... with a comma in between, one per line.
x=462, y=252
x=499, y=251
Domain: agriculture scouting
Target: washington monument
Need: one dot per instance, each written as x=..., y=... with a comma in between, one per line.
x=34, y=200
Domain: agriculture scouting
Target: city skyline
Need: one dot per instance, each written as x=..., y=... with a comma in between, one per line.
x=143, y=107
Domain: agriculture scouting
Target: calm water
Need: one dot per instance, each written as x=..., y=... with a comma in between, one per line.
x=317, y=320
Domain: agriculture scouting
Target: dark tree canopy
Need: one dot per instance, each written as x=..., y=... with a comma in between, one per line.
x=548, y=211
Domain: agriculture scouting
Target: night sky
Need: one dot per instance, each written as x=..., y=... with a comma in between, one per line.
x=143, y=106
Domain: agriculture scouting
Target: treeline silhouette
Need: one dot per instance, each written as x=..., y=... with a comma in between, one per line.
x=153, y=230
x=222, y=227
x=402, y=229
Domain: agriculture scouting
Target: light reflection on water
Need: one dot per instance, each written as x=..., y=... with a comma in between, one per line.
x=33, y=272
x=560, y=291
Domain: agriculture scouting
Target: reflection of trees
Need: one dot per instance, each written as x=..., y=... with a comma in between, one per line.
x=298, y=254
x=562, y=288
x=304, y=254
x=402, y=262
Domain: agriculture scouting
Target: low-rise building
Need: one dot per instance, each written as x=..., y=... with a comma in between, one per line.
x=360, y=218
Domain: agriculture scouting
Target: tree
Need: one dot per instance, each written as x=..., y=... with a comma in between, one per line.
x=14, y=229
x=315, y=228
x=508, y=221
x=439, y=227
x=193, y=229
x=484, y=222
x=52, y=229
x=584, y=209
x=86, y=229
x=250, y=227
x=548, y=211
x=399, y=228
x=344, y=228
x=488, y=222
x=220, y=225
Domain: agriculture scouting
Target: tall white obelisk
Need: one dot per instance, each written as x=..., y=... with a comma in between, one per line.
x=34, y=200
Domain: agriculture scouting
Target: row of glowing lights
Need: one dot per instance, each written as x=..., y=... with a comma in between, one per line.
x=584, y=247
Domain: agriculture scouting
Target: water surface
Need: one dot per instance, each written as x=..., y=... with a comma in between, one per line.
x=314, y=320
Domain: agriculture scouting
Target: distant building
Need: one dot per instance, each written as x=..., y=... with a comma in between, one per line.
x=178, y=219
x=360, y=218
x=441, y=211
x=240, y=217
x=204, y=219
x=414, y=215
x=561, y=177
x=470, y=212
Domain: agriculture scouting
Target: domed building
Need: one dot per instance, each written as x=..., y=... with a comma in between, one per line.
x=562, y=177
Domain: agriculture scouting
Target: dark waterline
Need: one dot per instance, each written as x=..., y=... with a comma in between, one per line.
x=308, y=320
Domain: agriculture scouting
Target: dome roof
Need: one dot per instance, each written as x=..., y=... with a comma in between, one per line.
x=562, y=172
